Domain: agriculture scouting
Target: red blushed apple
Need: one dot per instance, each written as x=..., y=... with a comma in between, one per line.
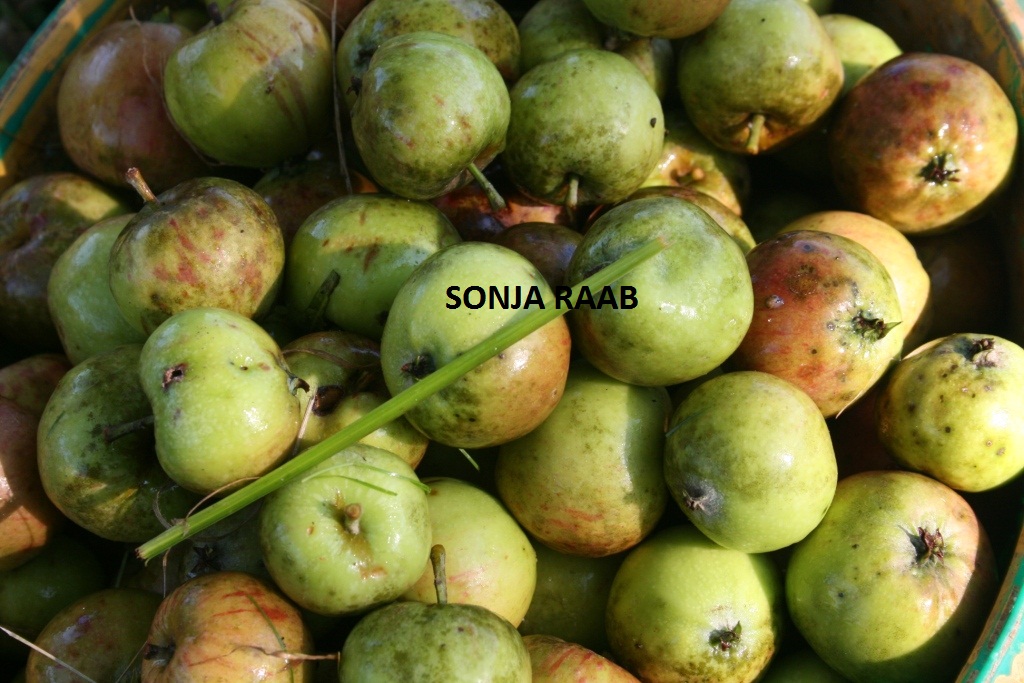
x=29, y=382
x=470, y=211
x=554, y=660
x=826, y=316
x=110, y=106
x=227, y=626
x=27, y=517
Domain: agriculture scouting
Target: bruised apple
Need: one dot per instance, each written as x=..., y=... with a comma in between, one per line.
x=825, y=317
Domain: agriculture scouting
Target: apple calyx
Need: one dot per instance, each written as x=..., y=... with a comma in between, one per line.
x=161, y=654
x=873, y=329
x=983, y=353
x=133, y=176
x=724, y=639
x=350, y=518
x=697, y=497
x=420, y=366
x=938, y=170
x=929, y=546
x=440, y=580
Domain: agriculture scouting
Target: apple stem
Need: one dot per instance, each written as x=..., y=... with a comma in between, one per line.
x=440, y=580
x=493, y=196
x=395, y=407
x=315, y=312
x=213, y=11
x=754, y=138
x=112, y=433
x=351, y=519
x=133, y=176
x=572, y=197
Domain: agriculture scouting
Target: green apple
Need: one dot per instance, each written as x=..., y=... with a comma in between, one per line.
x=227, y=626
x=222, y=399
x=458, y=297
x=352, y=534
x=586, y=127
x=230, y=545
x=100, y=635
x=801, y=666
x=451, y=642
x=96, y=456
x=31, y=594
x=953, y=409
x=431, y=111
x=484, y=24
x=896, y=582
x=694, y=300
x=588, y=480
x=749, y=459
x=683, y=608
x=87, y=319
x=256, y=88
x=490, y=561
x=663, y=18
x=373, y=242
x=861, y=45
x=570, y=598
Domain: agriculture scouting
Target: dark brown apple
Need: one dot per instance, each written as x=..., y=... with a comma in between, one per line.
x=923, y=142
x=39, y=218
x=826, y=316
x=548, y=246
x=110, y=106
x=297, y=190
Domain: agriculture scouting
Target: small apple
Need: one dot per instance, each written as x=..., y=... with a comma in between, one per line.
x=190, y=638
x=28, y=519
x=896, y=582
x=352, y=534
x=489, y=559
x=99, y=635
x=255, y=88
x=30, y=381
x=683, y=608
x=557, y=661
x=953, y=410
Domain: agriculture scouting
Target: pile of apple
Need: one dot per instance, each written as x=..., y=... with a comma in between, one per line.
x=767, y=452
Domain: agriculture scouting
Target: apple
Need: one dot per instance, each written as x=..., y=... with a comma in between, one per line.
x=255, y=88
x=28, y=519
x=190, y=638
x=110, y=106
x=896, y=582
x=30, y=381
x=953, y=410
x=683, y=608
x=489, y=559
x=557, y=661
x=99, y=635
x=351, y=534
x=440, y=311
x=923, y=142
x=750, y=461
x=827, y=316
x=589, y=480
